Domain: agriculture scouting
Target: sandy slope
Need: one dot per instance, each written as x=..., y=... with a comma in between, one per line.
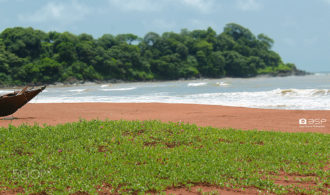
x=203, y=115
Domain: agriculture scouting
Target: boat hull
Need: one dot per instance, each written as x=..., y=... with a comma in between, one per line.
x=10, y=104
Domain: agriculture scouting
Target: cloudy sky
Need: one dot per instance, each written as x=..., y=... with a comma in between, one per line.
x=300, y=28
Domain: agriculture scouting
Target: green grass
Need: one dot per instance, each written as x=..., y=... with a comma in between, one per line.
x=136, y=156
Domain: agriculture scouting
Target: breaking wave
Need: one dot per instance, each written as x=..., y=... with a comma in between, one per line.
x=303, y=92
x=77, y=90
x=297, y=93
x=222, y=84
x=119, y=89
x=196, y=84
x=309, y=99
x=2, y=92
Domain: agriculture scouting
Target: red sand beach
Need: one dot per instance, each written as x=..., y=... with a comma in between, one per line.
x=202, y=115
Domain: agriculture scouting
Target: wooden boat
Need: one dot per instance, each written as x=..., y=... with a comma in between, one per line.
x=11, y=102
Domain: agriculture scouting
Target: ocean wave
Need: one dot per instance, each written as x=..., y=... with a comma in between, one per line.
x=106, y=85
x=302, y=92
x=6, y=91
x=222, y=83
x=272, y=93
x=321, y=92
x=243, y=99
x=305, y=99
x=321, y=74
x=77, y=90
x=196, y=84
x=119, y=89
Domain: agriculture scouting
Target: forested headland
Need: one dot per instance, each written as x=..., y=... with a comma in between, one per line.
x=29, y=56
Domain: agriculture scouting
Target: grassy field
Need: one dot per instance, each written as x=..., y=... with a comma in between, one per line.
x=151, y=156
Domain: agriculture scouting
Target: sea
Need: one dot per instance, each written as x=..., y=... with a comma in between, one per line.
x=311, y=92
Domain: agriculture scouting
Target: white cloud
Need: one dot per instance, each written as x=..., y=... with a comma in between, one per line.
x=204, y=6
x=248, y=5
x=137, y=5
x=64, y=13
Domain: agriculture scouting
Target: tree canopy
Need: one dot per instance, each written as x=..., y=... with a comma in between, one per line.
x=29, y=56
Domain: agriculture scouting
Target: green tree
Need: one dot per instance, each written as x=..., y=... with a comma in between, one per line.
x=107, y=41
x=4, y=66
x=167, y=67
x=85, y=51
x=238, y=32
x=216, y=65
x=238, y=65
x=23, y=42
x=65, y=48
x=190, y=68
x=203, y=46
x=224, y=42
x=127, y=38
x=45, y=70
x=82, y=71
x=265, y=41
x=151, y=38
x=32, y=56
x=202, y=60
x=66, y=52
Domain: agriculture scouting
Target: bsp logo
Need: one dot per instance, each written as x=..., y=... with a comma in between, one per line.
x=302, y=121
x=316, y=121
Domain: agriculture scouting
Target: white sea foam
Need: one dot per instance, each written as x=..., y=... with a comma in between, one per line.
x=77, y=90
x=302, y=92
x=197, y=84
x=309, y=92
x=6, y=91
x=322, y=74
x=279, y=98
x=119, y=89
x=222, y=83
x=312, y=99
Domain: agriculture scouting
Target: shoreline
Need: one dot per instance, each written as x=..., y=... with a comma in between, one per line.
x=115, y=81
x=240, y=118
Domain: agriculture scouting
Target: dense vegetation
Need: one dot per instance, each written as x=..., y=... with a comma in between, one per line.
x=136, y=156
x=34, y=57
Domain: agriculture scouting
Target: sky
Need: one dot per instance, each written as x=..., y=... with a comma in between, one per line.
x=300, y=28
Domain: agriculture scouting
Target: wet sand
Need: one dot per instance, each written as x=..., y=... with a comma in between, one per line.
x=202, y=115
